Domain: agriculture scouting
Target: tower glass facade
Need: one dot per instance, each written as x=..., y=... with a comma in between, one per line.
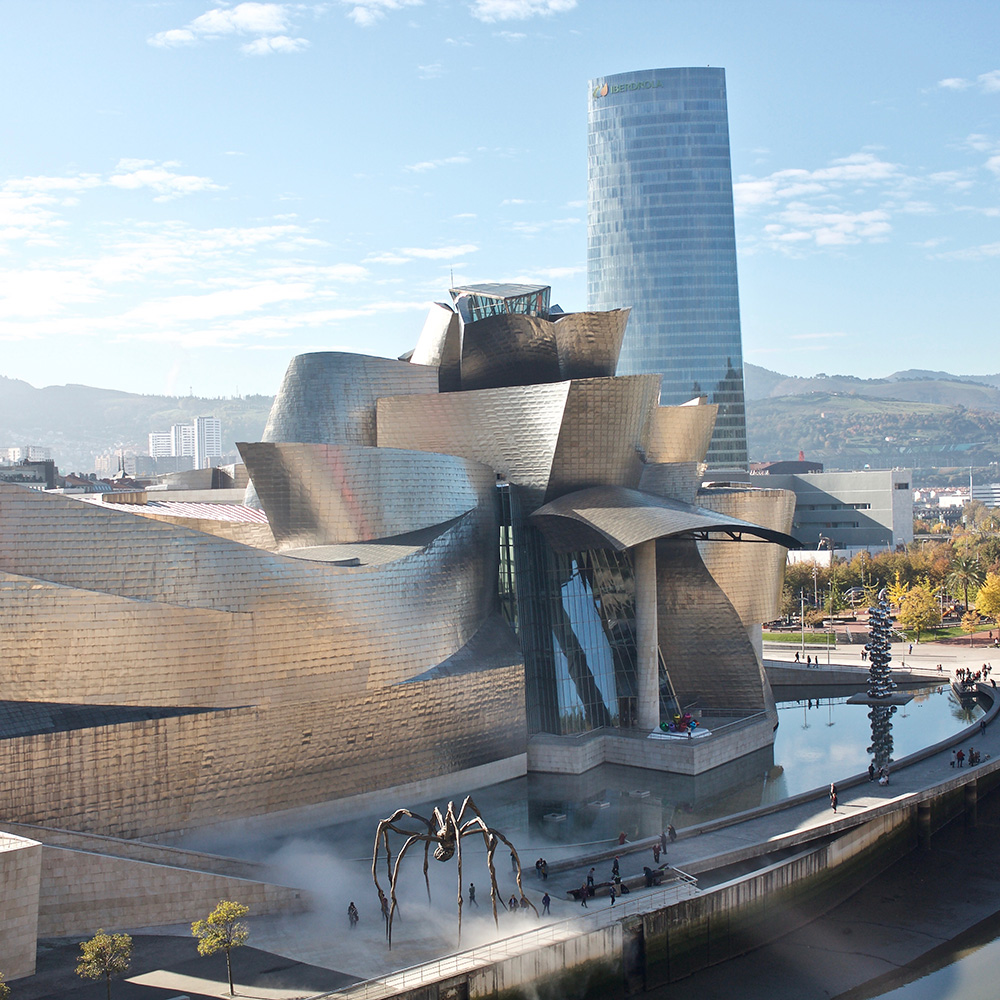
x=661, y=237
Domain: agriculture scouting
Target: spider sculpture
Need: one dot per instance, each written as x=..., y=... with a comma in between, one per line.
x=445, y=832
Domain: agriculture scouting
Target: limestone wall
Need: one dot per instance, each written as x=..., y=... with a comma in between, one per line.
x=170, y=774
x=81, y=892
x=20, y=869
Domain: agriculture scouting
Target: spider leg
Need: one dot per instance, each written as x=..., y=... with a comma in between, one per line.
x=412, y=839
x=491, y=847
x=458, y=852
x=520, y=890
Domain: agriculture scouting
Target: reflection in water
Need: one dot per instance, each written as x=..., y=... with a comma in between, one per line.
x=880, y=685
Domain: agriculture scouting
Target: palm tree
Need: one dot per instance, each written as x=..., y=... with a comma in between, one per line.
x=966, y=572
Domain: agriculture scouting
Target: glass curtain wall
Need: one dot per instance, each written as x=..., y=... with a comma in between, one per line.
x=574, y=614
x=661, y=237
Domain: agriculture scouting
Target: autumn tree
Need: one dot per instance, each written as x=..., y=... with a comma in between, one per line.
x=4, y=988
x=970, y=624
x=105, y=955
x=919, y=610
x=222, y=930
x=897, y=591
x=988, y=599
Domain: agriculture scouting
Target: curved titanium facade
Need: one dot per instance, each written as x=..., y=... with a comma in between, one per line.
x=322, y=494
x=661, y=237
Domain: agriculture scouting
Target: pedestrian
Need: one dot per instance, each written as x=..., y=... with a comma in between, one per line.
x=352, y=915
x=833, y=796
x=960, y=757
x=546, y=899
x=590, y=881
x=545, y=869
x=797, y=660
x=538, y=868
x=513, y=862
x=611, y=893
x=871, y=771
x=911, y=649
x=584, y=893
x=512, y=905
x=982, y=725
x=472, y=895
x=663, y=841
x=809, y=661
x=614, y=867
x=525, y=905
x=671, y=833
x=621, y=838
x=656, y=853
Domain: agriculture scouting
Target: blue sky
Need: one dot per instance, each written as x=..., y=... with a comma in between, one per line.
x=192, y=192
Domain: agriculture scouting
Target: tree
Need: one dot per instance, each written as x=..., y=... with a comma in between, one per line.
x=965, y=573
x=897, y=592
x=104, y=955
x=4, y=988
x=919, y=610
x=970, y=624
x=222, y=930
x=988, y=599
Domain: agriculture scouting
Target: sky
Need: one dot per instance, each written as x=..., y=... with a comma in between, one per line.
x=192, y=192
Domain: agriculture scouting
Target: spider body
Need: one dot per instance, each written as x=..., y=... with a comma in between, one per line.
x=445, y=832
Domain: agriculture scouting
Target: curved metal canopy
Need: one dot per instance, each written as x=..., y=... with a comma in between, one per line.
x=619, y=518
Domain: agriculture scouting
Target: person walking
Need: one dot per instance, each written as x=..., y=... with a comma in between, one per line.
x=960, y=757
x=590, y=882
x=871, y=771
x=663, y=841
x=833, y=796
x=472, y=895
x=546, y=899
x=512, y=905
x=656, y=853
x=671, y=833
x=611, y=893
x=797, y=660
x=584, y=893
x=352, y=915
x=614, y=867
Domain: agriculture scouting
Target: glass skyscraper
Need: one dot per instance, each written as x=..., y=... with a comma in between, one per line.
x=661, y=239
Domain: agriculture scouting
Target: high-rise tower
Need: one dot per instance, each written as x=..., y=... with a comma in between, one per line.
x=661, y=239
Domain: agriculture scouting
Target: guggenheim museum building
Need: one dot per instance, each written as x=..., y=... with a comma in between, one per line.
x=490, y=556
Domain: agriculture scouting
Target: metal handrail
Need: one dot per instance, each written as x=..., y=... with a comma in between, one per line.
x=681, y=886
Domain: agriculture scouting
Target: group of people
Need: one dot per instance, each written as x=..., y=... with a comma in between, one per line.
x=809, y=659
x=542, y=868
x=975, y=757
x=968, y=678
x=882, y=773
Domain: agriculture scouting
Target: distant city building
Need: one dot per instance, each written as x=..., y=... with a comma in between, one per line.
x=182, y=440
x=987, y=493
x=160, y=444
x=28, y=453
x=661, y=237
x=39, y=475
x=207, y=441
x=779, y=468
x=869, y=509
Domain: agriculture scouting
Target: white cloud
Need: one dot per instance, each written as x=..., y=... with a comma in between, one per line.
x=518, y=10
x=989, y=83
x=425, y=165
x=274, y=43
x=440, y=253
x=268, y=22
x=134, y=174
x=430, y=72
x=954, y=83
x=986, y=250
x=511, y=36
x=367, y=13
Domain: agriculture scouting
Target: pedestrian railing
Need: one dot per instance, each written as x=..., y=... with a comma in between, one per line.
x=681, y=886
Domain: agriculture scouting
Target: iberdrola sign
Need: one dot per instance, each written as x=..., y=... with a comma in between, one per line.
x=620, y=88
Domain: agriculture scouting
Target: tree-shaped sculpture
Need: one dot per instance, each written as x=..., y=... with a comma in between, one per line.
x=880, y=684
x=445, y=832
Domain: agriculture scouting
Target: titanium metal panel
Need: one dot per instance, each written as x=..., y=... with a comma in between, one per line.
x=674, y=480
x=681, y=433
x=508, y=349
x=703, y=643
x=546, y=438
x=321, y=494
x=661, y=236
x=750, y=575
x=589, y=343
x=619, y=518
x=329, y=398
x=440, y=344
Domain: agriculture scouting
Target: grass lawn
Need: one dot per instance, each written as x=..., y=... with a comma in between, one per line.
x=812, y=638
